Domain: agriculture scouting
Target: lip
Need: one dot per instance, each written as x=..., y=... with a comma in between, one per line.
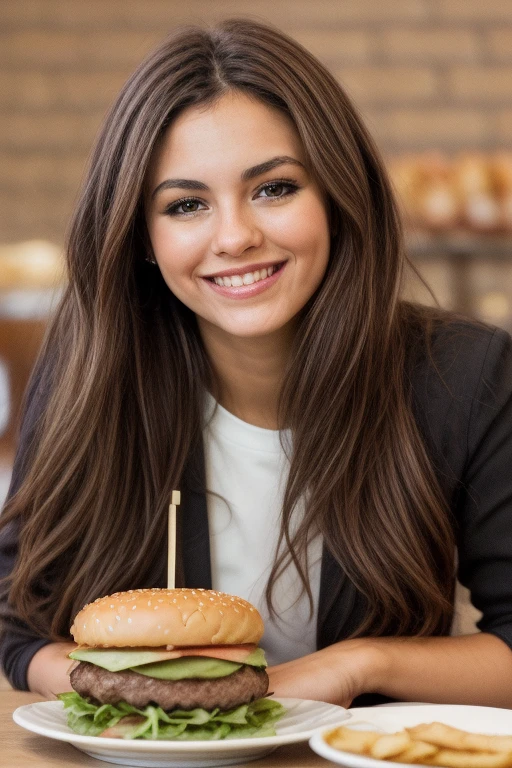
x=246, y=291
x=243, y=270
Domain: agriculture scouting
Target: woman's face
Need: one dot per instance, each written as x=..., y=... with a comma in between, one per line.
x=238, y=226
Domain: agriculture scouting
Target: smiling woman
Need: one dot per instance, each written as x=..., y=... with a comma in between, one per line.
x=233, y=327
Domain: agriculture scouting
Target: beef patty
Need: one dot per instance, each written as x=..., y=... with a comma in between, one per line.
x=243, y=686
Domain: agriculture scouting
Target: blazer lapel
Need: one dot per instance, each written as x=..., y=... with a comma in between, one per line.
x=340, y=607
x=195, y=537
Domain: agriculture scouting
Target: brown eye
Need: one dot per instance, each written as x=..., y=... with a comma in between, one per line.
x=182, y=207
x=188, y=206
x=275, y=190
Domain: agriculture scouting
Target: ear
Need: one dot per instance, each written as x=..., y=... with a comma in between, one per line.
x=147, y=247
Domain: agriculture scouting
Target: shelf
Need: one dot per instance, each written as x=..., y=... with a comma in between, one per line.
x=421, y=245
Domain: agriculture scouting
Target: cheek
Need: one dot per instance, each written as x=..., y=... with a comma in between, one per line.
x=168, y=239
x=177, y=251
x=307, y=234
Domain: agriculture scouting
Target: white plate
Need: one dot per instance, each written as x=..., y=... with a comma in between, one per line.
x=393, y=718
x=48, y=718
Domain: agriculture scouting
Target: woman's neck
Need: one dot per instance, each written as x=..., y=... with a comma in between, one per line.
x=249, y=372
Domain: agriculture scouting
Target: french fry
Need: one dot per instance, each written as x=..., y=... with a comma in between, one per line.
x=349, y=740
x=459, y=758
x=446, y=736
x=418, y=752
x=389, y=745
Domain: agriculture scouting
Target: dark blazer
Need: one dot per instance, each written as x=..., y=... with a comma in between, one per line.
x=462, y=401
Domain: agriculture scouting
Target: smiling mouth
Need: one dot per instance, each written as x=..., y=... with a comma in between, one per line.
x=248, y=278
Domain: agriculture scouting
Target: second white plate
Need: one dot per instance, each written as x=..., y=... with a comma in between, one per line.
x=393, y=718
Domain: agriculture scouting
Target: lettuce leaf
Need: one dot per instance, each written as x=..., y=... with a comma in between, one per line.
x=117, y=659
x=248, y=720
x=188, y=667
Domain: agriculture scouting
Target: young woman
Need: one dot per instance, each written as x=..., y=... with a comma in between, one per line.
x=233, y=327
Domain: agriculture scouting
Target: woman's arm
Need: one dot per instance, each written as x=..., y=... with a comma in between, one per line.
x=19, y=646
x=474, y=669
x=48, y=671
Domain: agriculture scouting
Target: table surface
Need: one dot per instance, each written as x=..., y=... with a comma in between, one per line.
x=20, y=748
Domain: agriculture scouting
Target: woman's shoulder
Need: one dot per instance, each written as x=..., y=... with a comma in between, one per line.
x=461, y=381
x=456, y=354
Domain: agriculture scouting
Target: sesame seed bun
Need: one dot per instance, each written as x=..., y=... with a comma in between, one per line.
x=160, y=617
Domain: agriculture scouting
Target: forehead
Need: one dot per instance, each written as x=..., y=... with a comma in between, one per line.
x=236, y=131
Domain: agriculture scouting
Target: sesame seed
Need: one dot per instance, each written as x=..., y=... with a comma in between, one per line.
x=118, y=618
x=129, y=621
x=110, y=629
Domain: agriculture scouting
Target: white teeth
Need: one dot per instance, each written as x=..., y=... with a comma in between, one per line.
x=248, y=279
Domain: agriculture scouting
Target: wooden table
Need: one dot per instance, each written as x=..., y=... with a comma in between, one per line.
x=20, y=748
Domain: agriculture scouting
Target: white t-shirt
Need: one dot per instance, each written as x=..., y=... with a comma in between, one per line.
x=246, y=473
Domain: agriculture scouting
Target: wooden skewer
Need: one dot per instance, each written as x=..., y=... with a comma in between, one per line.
x=171, y=539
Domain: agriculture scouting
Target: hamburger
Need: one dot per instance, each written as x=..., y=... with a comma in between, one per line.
x=169, y=664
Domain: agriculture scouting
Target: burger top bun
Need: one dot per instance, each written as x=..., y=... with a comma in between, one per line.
x=173, y=617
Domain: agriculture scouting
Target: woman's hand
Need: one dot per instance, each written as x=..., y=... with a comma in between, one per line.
x=336, y=674
x=48, y=672
x=472, y=669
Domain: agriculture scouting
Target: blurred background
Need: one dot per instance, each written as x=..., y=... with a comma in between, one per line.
x=432, y=79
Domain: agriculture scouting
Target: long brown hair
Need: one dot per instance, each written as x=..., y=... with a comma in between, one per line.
x=123, y=370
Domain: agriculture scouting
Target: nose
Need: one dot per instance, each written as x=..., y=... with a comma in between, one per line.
x=235, y=232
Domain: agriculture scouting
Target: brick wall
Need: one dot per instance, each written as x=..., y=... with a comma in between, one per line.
x=425, y=73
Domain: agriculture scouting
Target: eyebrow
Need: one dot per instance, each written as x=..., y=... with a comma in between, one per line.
x=247, y=175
